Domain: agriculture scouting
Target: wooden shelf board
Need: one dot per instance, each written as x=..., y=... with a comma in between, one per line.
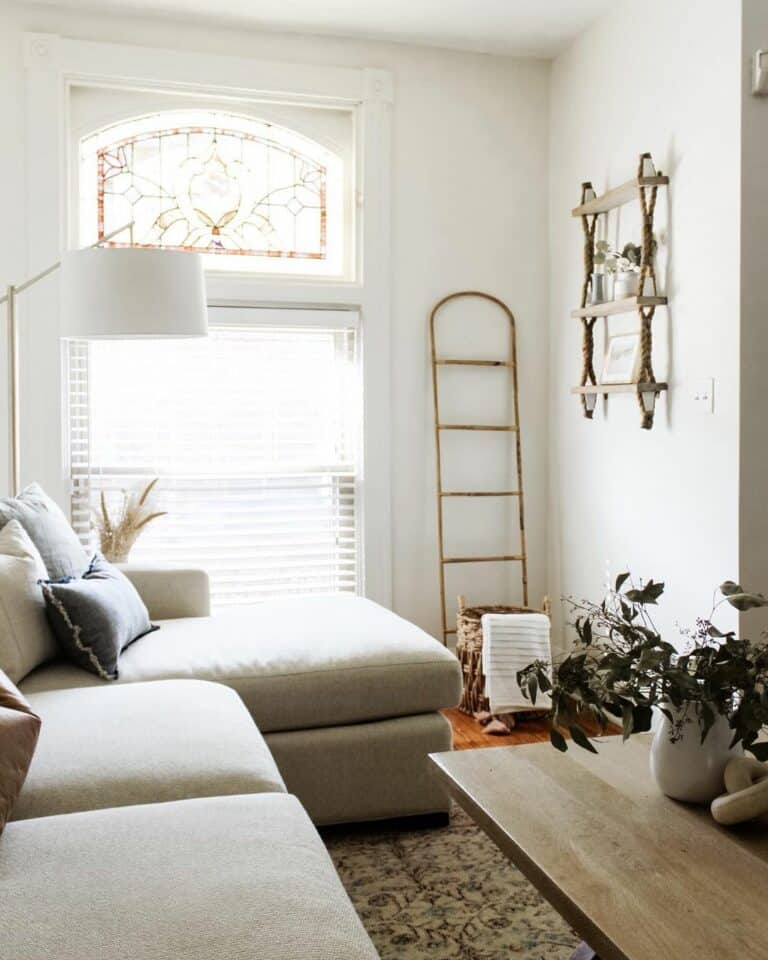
x=601, y=388
x=618, y=195
x=611, y=307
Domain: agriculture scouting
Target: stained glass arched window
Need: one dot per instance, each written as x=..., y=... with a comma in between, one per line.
x=225, y=185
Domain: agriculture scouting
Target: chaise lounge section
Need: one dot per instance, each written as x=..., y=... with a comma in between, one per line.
x=346, y=694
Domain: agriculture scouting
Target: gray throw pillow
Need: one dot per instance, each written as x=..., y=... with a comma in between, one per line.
x=95, y=617
x=47, y=527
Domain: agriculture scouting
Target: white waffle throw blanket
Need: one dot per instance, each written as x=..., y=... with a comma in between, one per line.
x=510, y=642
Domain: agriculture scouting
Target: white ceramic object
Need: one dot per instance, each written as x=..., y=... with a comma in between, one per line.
x=688, y=769
x=625, y=285
x=746, y=781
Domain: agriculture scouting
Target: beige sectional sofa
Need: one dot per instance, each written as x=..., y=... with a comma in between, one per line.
x=154, y=824
x=144, y=743
x=345, y=692
x=157, y=822
x=240, y=877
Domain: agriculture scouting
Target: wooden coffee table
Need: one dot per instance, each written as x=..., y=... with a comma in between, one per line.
x=637, y=876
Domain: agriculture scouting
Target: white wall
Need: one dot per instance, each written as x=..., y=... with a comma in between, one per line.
x=662, y=503
x=753, y=465
x=469, y=211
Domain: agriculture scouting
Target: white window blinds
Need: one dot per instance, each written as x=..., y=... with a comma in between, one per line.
x=254, y=434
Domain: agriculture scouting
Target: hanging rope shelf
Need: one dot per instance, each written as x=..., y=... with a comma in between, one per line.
x=643, y=188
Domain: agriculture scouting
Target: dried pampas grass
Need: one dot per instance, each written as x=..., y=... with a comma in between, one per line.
x=117, y=537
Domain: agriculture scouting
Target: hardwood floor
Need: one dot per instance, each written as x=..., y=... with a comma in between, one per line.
x=468, y=734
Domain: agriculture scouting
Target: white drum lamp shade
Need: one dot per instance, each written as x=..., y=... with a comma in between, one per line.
x=121, y=293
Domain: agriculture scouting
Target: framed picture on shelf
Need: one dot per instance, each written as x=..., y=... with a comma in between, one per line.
x=622, y=359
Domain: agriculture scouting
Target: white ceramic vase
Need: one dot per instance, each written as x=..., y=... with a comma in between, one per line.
x=688, y=769
x=625, y=285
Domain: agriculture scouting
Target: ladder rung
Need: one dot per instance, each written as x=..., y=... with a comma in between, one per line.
x=473, y=363
x=481, y=493
x=481, y=559
x=449, y=631
x=472, y=426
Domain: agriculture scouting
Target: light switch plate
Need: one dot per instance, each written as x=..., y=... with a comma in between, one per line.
x=704, y=395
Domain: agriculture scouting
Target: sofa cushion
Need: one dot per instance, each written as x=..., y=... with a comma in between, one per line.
x=142, y=743
x=25, y=637
x=171, y=592
x=62, y=553
x=245, y=878
x=310, y=662
x=19, y=729
x=96, y=616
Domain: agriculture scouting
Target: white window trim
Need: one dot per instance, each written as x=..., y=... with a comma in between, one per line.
x=53, y=64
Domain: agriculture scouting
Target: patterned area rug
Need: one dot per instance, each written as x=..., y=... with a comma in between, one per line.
x=446, y=894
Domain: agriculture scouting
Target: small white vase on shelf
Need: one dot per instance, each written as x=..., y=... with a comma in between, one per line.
x=625, y=285
x=599, y=292
x=688, y=769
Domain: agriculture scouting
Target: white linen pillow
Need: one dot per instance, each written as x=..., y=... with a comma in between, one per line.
x=26, y=639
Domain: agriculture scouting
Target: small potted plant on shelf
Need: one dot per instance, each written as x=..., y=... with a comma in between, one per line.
x=622, y=269
x=626, y=270
x=711, y=694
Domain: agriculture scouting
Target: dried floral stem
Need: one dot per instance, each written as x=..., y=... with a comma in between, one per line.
x=117, y=537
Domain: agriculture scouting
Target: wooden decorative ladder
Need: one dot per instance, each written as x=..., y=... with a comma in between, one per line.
x=514, y=428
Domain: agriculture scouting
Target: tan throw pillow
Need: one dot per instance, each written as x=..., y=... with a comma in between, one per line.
x=26, y=640
x=19, y=730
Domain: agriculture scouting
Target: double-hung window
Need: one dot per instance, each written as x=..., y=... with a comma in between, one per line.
x=254, y=432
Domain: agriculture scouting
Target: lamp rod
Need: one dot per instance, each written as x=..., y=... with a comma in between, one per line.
x=19, y=288
x=14, y=439
x=14, y=429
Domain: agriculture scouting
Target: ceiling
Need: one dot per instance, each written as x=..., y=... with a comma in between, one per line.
x=538, y=28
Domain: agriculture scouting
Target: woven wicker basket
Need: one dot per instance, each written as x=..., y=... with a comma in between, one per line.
x=469, y=650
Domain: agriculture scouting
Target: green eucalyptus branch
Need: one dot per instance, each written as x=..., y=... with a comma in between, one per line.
x=621, y=667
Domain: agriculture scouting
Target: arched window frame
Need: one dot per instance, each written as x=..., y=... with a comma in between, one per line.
x=101, y=152
x=53, y=65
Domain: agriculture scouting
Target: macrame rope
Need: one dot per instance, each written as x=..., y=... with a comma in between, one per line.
x=646, y=281
x=588, y=224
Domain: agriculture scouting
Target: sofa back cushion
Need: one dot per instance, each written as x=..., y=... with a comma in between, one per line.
x=56, y=541
x=19, y=730
x=96, y=617
x=26, y=640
